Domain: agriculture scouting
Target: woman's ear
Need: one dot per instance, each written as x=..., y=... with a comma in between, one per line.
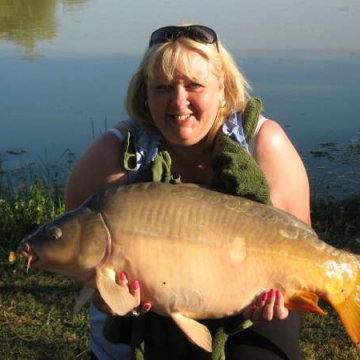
x=222, y=87
x=222, y=100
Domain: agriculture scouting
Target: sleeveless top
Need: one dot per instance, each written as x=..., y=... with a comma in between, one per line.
x=147, y=143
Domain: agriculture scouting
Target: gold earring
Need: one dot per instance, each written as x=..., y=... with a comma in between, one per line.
x=223, y=103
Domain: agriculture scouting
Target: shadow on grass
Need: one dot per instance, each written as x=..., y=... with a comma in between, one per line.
x=38, y=291
x=44, y=350
x=36, y=317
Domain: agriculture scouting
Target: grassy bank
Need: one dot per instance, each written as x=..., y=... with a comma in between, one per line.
x=36, y=308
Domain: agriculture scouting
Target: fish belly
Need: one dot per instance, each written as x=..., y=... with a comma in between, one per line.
x=200, y=280
x=208, y=254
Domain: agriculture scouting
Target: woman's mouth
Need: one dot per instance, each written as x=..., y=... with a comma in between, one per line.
x=184, y=117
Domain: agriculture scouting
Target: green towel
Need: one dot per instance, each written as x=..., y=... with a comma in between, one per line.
x=154, y=337
x=235, y=171
x=160, y=169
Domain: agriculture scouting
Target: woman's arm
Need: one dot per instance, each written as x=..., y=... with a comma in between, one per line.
x=284, y=171
x=97, y=169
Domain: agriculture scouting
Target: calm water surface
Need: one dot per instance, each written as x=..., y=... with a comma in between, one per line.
x=56, y=94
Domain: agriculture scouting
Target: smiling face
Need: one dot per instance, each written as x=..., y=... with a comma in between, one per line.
x=184, y=106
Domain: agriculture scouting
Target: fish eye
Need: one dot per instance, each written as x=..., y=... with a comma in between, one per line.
x=54, y=233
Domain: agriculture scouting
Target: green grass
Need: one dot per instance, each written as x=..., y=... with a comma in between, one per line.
x=36, y=308
x=36, y=319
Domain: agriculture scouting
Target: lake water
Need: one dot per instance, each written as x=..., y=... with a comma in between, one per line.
x=55, y=99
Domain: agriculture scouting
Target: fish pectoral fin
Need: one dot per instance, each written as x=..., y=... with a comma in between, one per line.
x=84, y=296
x=197, y=333
x=304, y=301
x=116, y=297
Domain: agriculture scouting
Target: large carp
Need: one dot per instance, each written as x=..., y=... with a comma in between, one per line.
x=197, y=253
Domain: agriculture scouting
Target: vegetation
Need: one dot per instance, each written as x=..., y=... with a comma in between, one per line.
x=338, y=223
x=36, y=319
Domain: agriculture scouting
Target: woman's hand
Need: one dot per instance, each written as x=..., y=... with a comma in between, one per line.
x=269, y=305
x=133, y=288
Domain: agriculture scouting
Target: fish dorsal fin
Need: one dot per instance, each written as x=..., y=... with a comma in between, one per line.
x=304, y=301
x=116, y=297
x=197, y=333
x=84, y=296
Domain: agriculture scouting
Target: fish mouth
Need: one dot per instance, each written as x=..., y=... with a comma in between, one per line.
x=26, y=251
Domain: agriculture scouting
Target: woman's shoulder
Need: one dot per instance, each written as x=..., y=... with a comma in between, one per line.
x=273, y=150
x=97, y=168
x=269, y=134
x=283, y=169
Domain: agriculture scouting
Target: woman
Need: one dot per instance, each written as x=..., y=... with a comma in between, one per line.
x=188, y=89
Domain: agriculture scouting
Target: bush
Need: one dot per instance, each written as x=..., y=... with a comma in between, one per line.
x=24, y=210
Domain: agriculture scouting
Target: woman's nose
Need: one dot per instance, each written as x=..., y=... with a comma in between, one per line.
x=180, y=96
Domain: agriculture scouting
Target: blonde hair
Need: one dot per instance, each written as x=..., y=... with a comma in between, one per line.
x=172, y=56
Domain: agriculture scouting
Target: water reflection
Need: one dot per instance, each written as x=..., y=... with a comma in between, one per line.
x=25, y=22
x=74, y=4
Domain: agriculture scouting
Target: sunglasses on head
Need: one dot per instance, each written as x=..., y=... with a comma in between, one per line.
x=198, y=33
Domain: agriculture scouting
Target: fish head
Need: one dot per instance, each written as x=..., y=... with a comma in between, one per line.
x=73, y=244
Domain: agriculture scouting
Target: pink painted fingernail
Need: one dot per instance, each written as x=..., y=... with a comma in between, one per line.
x=264, y=296
x=122, y=276
x=146, y=307
x=136, y=285
x=253, y=307
x=272, y=293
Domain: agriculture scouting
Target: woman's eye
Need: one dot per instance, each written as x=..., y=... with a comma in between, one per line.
x=164, y=87
x=194, y=86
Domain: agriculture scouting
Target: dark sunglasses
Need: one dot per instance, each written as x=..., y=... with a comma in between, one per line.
x=197, y=33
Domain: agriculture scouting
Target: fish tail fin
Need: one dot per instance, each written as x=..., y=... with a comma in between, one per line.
x=349, y=310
